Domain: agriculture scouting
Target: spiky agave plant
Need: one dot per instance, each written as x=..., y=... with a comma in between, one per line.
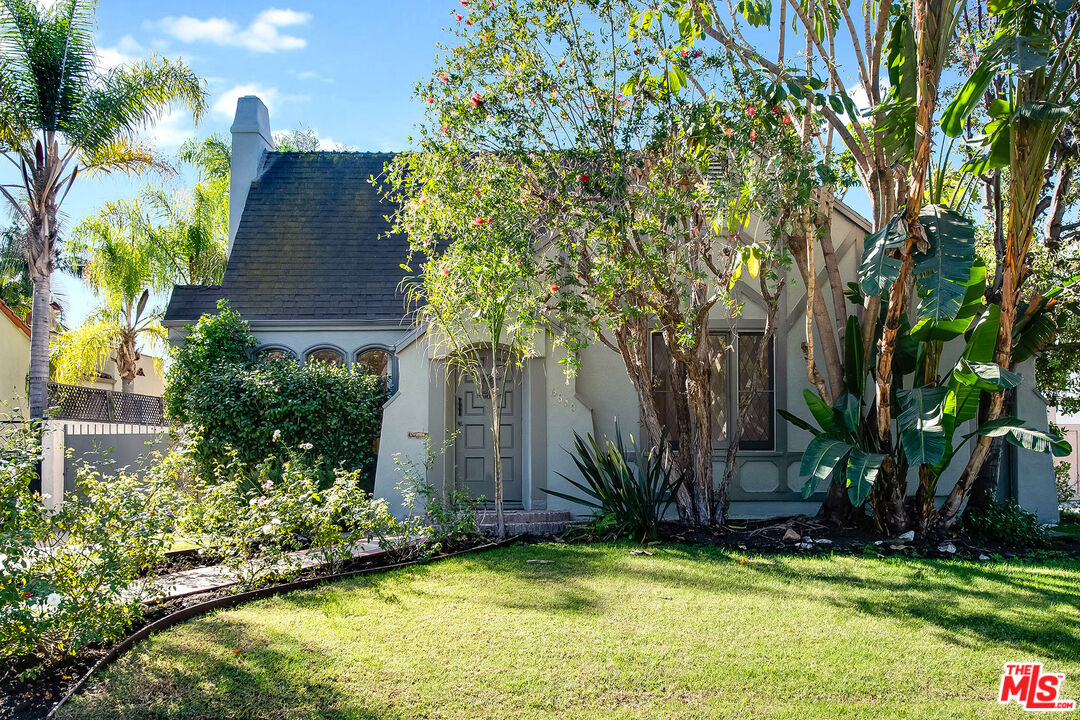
x=628, y=488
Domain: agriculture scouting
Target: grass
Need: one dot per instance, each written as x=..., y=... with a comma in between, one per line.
x=596, y=632
x=1072, y=529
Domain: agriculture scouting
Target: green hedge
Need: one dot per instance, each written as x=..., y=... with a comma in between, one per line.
x=240, y=407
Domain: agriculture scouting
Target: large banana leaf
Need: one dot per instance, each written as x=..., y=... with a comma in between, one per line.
x=944, y=330
x=819, y=460
x=987, y=376
x=943, y=273
x=983, y=336
x=862, y=471
x=854, y=363
x=921, y=433
x=1016, y=432
x=827, y=417
x=879, y=270
x=849, y=407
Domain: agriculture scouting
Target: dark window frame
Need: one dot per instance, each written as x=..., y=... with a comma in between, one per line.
x=733, y=388
x=319, y=348
x=391, y=364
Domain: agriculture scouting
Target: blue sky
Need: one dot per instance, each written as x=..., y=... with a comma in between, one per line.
x=345, y=69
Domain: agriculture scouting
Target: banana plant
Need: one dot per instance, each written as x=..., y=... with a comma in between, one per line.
x=929, y=415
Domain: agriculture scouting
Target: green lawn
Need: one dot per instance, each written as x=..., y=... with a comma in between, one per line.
x=593, y=631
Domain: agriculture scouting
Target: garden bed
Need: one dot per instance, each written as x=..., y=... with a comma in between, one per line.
x=811, y=536
x=33, y=699
x=771, y=536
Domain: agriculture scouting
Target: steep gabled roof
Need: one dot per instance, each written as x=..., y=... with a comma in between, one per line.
x=312, y=245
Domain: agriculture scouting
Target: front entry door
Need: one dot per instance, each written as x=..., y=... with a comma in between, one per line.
x=475, y=459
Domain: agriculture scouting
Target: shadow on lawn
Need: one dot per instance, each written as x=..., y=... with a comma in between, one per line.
x=965, y=603
x=228, y=669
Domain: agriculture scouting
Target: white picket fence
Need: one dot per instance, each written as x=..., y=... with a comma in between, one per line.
x=62, y=440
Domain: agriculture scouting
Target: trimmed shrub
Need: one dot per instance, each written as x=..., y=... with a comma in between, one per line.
x=235, y=407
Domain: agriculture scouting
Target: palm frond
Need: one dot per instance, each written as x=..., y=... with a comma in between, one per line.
x=126, y=155
x=130, y=98
x=81, y=353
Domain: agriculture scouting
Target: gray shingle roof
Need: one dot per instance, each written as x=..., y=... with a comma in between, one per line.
x=312, y=245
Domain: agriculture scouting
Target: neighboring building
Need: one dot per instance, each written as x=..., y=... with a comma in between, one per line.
x=313, y=270
x=14, y=361
x=1070, y=428
x=149, y=376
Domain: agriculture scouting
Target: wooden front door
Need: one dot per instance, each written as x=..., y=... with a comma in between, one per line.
x=474, y=445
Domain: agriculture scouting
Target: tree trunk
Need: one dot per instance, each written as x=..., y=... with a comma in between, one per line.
x=984, y=489
x=40, y=330
x=127, y=361
x=837, y=508
x=496, y=401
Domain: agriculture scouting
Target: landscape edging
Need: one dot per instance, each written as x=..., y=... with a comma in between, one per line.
x=229, y=601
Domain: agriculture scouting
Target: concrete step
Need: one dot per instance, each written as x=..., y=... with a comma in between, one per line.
x=532, y=522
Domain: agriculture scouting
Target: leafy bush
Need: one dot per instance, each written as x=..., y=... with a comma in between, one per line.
x=1007, y=523
x=1063, y=479
x=433, y=518
x=235, y=407
x=256, y=528
x=71, y=576
x=629, y=490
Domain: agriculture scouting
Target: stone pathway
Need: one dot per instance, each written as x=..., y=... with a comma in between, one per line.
x=197, y=580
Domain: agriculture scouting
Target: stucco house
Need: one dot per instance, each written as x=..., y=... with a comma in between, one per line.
x=312, y=269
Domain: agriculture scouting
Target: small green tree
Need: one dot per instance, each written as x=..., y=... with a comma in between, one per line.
x=478, y=295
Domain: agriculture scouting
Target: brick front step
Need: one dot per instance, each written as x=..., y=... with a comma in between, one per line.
x=533, y=522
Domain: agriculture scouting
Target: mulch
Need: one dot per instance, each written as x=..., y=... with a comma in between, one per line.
x=778, y=536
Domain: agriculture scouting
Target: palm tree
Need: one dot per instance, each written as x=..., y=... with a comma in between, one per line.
x=16, y=288
x=62, y=115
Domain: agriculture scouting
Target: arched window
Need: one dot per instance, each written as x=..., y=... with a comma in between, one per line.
x=273, y=352
x=329, y=355
x=378, y=361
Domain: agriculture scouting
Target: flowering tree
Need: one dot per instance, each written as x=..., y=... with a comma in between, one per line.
x=477, y=295
x=634, y=182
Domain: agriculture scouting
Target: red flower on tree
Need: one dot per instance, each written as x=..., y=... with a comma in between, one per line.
x=583, y=177
x=750, y=111
x=554, y=287
x=476, y=100
x=753, y=135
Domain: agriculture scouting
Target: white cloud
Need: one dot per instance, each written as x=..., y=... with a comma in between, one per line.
x=306, y=75
x=262, y=35
x=224, y=106
x=172, y=129
x=125, y=51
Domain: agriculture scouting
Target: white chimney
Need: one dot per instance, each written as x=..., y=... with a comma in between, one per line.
x=250, y=139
